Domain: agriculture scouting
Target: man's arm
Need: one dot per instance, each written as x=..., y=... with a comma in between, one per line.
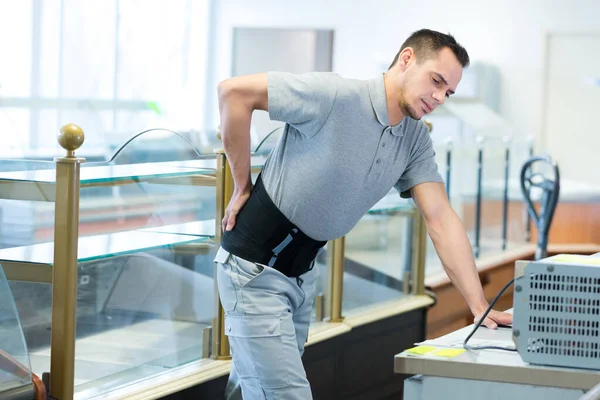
x=452, y=246
x=238, y=98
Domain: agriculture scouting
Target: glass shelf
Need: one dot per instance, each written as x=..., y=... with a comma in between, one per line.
x=101, y=246
x=95, y=174
x=194, y=228
x=204, y=164
x=256, y=161
x=7, y=165
x=109, y=173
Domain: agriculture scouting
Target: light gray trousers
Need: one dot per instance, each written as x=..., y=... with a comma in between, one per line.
x=267, y=317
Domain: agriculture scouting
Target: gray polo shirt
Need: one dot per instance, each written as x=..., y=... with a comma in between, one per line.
x=338, y=155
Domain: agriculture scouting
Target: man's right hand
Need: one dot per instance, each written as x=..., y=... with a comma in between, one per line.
x=238, y=199
x=238, y=98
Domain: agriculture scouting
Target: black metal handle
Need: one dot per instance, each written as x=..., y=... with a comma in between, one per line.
x=549, y=198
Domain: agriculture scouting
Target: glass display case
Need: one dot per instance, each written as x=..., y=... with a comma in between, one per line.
x=111, y=263
x=380, y=263
x=131, y=245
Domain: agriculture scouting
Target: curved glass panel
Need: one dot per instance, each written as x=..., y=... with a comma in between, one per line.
x=15, y=369
x=269, y=141
x=155, y=145
x=163, y=180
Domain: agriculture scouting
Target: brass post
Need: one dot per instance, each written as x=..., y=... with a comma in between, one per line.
x=338, y=279
x=419, y=245
x=429, y=125
x=328, y=280
x=419, y=254
x=64, y=271
x=224, y=188
x=319, y=308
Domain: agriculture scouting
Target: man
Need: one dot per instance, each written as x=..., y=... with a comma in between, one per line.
x=345, y=145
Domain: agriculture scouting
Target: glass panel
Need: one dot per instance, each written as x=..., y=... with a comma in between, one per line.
x=153, y=203
x=25, y=222
x=378, y=254
x=137, y=316
x=269, y=141
x=156, y=145
x=144, y=313
x=15, y=369
x=493, y=188
x=463, y=191
x=520, y=150
x=145, y=278
x=492, y=194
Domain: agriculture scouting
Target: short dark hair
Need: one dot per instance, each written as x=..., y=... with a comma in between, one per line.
x=427, y=43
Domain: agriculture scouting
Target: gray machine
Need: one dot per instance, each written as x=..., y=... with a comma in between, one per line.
x=557, y=311
x=556, y=301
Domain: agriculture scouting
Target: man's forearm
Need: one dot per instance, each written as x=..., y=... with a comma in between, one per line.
x=453, y=247
x=235, y=132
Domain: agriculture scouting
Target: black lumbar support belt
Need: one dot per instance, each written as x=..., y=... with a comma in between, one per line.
x=262, y=234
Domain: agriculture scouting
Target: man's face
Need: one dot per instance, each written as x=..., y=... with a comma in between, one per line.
x=426, y=85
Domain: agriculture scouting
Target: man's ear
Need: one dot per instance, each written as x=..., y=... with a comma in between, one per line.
x=406, y=56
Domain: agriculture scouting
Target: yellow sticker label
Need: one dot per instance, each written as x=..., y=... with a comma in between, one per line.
x=449, y=353
x=435, y=351
x=575, y=259
x=421, y=350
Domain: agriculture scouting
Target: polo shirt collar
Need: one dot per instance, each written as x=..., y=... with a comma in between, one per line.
x=379, y=103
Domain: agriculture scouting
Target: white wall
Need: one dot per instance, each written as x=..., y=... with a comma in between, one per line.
x=509, y=34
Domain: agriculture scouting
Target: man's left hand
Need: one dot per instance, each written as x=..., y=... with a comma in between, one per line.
x=494, y=318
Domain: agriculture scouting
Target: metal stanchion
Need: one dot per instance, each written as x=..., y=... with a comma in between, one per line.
x=224, y=188
x=477, y=248
x=528, y=221
x=448, y=163
x=337, y=279
x=507, y=140
x=64, y=270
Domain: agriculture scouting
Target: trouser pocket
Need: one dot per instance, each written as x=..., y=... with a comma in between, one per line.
x=258, y=351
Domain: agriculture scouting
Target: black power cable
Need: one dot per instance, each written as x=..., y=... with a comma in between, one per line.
x=478, y=324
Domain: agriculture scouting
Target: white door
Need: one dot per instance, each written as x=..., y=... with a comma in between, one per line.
x=571, y=123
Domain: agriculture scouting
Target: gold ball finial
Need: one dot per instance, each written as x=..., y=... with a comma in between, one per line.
x=219, y=133
x=70, y=138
